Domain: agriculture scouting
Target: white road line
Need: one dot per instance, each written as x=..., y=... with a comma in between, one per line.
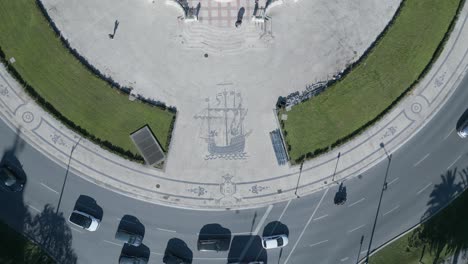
x=448, y=134
x=394, y=208
x=392, y=181
x=34, y=208
x=362, y=199
x=264, y=217
x=454, y=162
x=284, y=210
x=305, y=227
x=77, y=230
x=364, y=251
x=166, y=230
x=50, y=189
x=110, y=242
x=157, y=253
x=354, y=229
x=318, y=243
x=344, y=259
x=424, y=188
x=320, y=217
x=421, y=160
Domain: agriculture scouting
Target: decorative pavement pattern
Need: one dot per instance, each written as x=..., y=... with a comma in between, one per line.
x=223, y=14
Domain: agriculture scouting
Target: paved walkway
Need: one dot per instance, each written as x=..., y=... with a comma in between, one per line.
x=220, y=183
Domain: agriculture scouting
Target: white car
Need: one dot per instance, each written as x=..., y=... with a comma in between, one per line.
x=84, y=220
x=462, y=129
x=277, y=241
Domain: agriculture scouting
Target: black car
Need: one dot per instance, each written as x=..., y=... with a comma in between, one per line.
x=214, y=244
x=11, y=178
x=171, y=258
x=129, y=237
x=124, y=259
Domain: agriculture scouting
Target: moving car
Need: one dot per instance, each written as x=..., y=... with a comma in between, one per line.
x=11, y=178
x=84, y=220
x=124, y=259
x=277, y=241
x=129, y=237
x=462, y=130
x=214, y=244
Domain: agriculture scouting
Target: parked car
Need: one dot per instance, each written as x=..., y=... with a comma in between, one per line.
x=129, y=237
x=124, y=259
x=11, y=178
x=84, y=220
x=214, y=244
x=171, y=258
x=462, y=130
x=277, y=241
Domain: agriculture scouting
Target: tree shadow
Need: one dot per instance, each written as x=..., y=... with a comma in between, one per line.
x=245, y=249
x=51, y=231
x=446, y=231
x=178, y=249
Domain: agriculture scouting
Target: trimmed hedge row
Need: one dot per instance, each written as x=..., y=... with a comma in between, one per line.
x=437, y=52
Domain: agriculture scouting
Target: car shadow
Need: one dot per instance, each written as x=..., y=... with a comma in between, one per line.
x=214, y=230
x=461, y=120
x=180, y=249
x=88, y=205
x=141, y=251
x=131, y=223
x=275, y=228
x=245, y=249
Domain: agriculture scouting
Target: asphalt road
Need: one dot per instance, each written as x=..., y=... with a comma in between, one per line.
x=421, y=177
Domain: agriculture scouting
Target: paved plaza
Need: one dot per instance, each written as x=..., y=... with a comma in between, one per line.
x=221, y=152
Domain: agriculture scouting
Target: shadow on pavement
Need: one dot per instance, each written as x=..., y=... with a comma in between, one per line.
x=214, y=230
x=178, y=248
x=446, y=233
x=141, y=251
x=247, y=249
x=275, y=228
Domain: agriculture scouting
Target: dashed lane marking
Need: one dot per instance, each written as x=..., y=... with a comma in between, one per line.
x=354, y=229
x=421, y=160
x=448, y=134
x=344, y=259
x=318, y=243
x=320, y=217
x=110, y=242
x=362, y=199
x=77, y=230
x=50, y=189
x=166, y=230
x=392, y=181
x=393, y=209
x=284, y=210
x=34, y=208
x=455, y=161
x=305, y=227
x=157, y=253
x=424, y=188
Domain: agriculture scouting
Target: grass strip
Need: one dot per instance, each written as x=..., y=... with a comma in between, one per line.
x=67, y=89
x=397, y=61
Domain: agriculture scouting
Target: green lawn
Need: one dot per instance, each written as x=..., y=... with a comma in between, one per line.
x=391, y=67
x=16, y=249
x=67, y=85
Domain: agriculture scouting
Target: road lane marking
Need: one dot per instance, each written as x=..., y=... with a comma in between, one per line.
x=421, y=160
x=110, y=242
x=320, y=217
x=307, y=224
x=166, y=230
x=362, y=199
x=394, y=180
x=318, y=243
x=354, y=229
x=284, y=210
x=454, y=162
x=448, y=134
x=34, y=208
x=364, y=251
x=50, y=189
x=344, y=259
x=157, y=253
x=77, y=230
x=424, y=188
x=262, y=221
x=394, y=208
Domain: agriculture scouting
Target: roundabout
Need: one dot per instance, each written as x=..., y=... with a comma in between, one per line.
x=221, y=162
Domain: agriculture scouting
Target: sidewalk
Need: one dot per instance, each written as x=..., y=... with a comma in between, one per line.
x=224, y=188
